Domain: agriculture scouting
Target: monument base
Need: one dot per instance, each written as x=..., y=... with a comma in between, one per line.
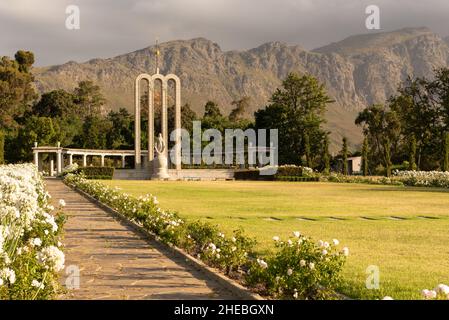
x=160, y=168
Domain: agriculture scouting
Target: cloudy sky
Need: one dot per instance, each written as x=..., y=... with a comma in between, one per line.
x=112, y=27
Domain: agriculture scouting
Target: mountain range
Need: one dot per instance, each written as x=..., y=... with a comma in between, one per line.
x=357, y=71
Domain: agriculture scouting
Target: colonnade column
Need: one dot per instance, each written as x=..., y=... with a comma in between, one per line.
x=36, y=158
x=137, y=150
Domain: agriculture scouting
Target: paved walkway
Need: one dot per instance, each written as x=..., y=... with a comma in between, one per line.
x=117, y=263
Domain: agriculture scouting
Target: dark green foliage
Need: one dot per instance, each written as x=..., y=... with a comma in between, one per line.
x=187, y=118
x=297, y=108
x=16, y=89
x=379, y=123
x=2, y=147
x=241, y=108
x=388, y=157
x=35, y=129
x=326, y=156
x=412, y=154
x=252, y=174
x=445, y=166
x=89, y=98
x=344, y=153
x=288, y=173
x=213, y=119
x=57, y=103
x=212, y=110
x=97, y=172
x=25, y=59
x=120, y=132
x=296, y=178
x=307, y=150
x=95, y=133
x=365, y=160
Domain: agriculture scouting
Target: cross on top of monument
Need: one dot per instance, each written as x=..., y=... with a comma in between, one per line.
x=157, y=53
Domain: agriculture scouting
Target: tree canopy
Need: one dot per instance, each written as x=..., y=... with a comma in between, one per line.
x=297, y=110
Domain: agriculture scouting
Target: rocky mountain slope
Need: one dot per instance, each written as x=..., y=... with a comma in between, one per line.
x=357, y=71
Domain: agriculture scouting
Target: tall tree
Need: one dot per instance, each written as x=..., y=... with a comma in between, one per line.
x=120, y=135
x=35, y=129
x=388, y=156
x=25, y=59
x=365, y=156
x=418, y=114
x=213, y=118
x=2, y=147
x=379, y=124
x=445, y=162
x=307, y=150
x=90, y=99
x=344, y=153
x=57, y=103
x=95, y=133
x=412, y=153
x=16, y=89
x=296, y=108
x=187, y=118
x=326, y=156
x=212, y=110
x=241, y=107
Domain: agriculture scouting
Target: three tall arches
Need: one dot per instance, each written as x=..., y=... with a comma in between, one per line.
x=151, y=80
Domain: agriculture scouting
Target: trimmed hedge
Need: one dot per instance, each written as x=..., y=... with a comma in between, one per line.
x=283, y=173
x=290, y=171
x=296, y=178
x=103, y=173
x=252, y=174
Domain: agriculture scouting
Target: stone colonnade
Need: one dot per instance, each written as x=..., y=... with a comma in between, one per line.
x=64, y=156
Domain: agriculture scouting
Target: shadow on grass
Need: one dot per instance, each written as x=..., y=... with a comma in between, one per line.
x=405, y=188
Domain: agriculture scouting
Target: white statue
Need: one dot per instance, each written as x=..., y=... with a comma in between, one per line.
x=160, y=167
x=159, y=145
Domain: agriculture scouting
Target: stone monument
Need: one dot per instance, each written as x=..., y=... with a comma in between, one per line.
x=151, y=80
x=160, y=164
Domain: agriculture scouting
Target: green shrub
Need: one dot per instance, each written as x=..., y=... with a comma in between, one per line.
x=296, y=178
x=2, y=147
x=209, y=244
x=251, y=174
x=282, y=171
x=340, y=178
x=290, y=171
x=104, y=173
x=300, y=269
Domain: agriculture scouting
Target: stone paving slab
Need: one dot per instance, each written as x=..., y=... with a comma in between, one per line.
x=117, y=263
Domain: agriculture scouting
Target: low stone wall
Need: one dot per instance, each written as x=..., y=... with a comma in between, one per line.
x=202, y=174
x=131, y=174
x=185, y=174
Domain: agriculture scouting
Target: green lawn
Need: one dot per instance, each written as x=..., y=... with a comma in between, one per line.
x=403, y=231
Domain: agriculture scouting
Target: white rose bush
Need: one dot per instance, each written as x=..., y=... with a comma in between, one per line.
x=299, y=268
x=441, y=292
x=438, y=179
x=30, y=257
